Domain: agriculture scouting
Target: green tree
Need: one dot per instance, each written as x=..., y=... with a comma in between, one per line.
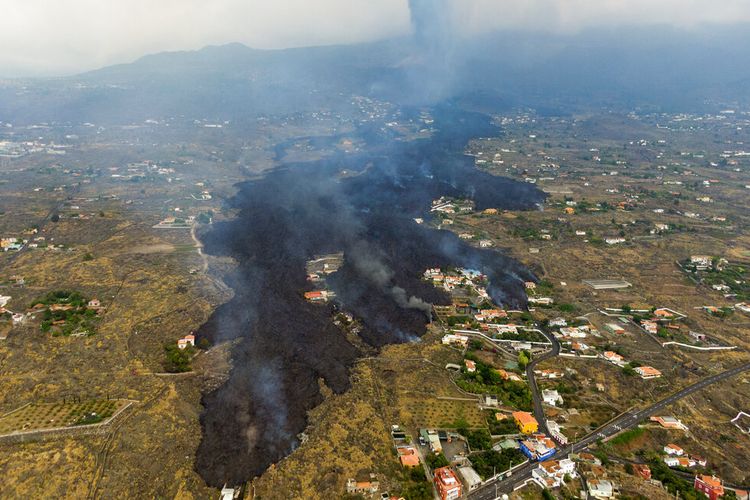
x=523, y=359
x=178, y=360
x=436, y=460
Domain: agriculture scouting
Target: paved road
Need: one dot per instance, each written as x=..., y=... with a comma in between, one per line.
x=625, y=421
x=535, y=395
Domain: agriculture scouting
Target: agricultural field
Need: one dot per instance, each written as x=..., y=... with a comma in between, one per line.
x=35, y=416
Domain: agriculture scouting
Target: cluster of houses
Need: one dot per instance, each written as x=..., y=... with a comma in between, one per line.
x=701, y=262
x=317, y=271
x=449, y=483
x=645, y=372
x=477, y=311
x=449, y=281
x=367, y=484
x=598, y=484
x=448, y=205
x=552, y=473
x=533, y=296
x=12, y=244
x=676, y=457
x=730, y=288
x=537, y=446
x=20, y=317
x=667, y=319
x=364, y=486
x=322, y=266
x=563, y=331
x=407, y=453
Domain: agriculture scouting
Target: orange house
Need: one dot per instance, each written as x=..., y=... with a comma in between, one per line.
x=526, y=422
x=408, y=456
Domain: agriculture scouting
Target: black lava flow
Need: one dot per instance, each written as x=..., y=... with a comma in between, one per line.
x=361, y=204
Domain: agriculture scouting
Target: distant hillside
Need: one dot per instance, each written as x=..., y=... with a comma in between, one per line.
x=653, y=68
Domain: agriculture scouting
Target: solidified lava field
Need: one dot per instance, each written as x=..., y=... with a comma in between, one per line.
x=301, y=210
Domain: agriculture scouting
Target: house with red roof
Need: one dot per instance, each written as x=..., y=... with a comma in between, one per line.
x=710, y=486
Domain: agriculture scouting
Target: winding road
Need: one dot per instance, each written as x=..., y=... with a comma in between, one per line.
x=535, y=395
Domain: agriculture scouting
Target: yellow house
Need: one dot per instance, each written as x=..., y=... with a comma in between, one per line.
x=526, y=422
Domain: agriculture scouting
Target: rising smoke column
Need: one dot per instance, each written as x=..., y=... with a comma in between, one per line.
x=433, y=57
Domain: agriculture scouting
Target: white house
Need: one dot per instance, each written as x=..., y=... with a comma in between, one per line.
x=470, y=478
x=459, y=339
x=556, y=432
x=614, y=358
x=701, y=262
x=673, y=449
x=614, y=241
x=601, y=488
x=573, y=332
x=550, y=474
x=542, y=301
x=551, y=397
x=558, y=322
x=187, y=340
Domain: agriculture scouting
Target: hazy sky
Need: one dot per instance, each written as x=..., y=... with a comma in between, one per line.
x=66, y=36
